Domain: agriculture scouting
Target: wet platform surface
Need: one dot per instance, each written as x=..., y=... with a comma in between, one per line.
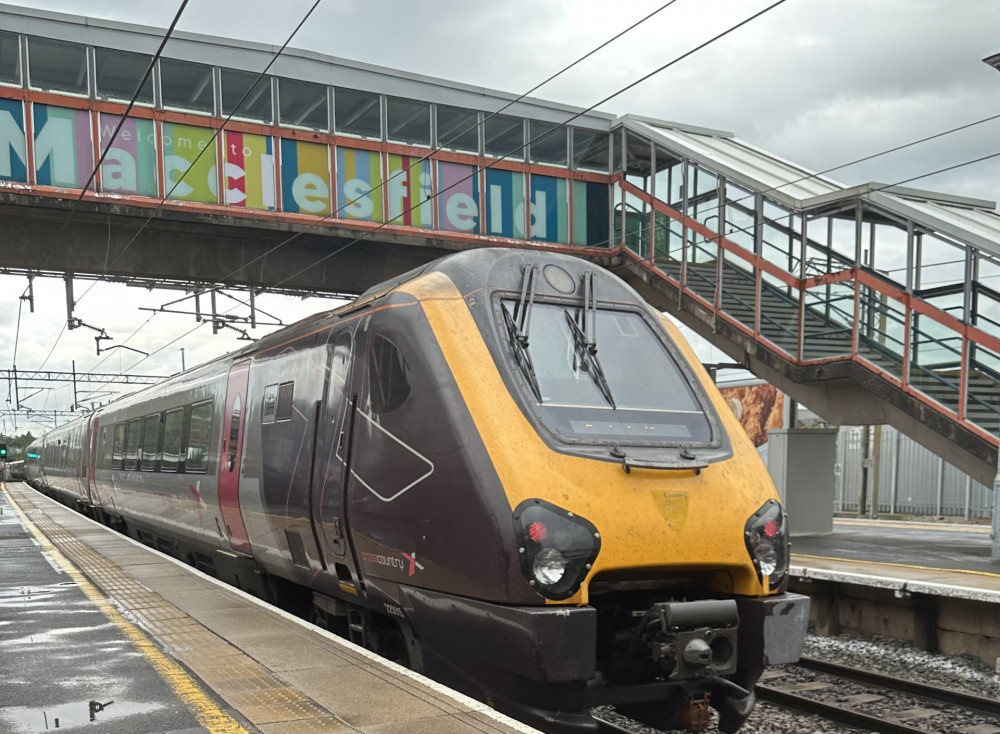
x=178, y=651
x=60, y=652
x=929, y=554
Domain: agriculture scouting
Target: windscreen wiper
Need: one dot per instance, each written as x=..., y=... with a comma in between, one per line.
x=518, y=325
x=586, y=342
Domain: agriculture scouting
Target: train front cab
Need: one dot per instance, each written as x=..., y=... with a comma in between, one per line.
x=644, y=525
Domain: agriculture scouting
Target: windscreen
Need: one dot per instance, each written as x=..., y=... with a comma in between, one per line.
x=616, y=384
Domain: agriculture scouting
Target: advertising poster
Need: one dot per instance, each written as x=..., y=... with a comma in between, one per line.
x=188, y=177
x=550, y=209
x=409, y=188
x=504, y=203
x=758, y=407
x=458, y=200
x=13, y=149
x=64, y=152
x=249, y=170
x=305, y=177
x=359, y=190
x=130, y=165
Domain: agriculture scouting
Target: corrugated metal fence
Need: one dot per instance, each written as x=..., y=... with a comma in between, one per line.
x=911, y=480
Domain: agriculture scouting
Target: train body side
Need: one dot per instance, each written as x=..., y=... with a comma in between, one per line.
x=394, y=461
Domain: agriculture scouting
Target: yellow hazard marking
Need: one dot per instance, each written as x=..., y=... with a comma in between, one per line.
x=897, y=565
x=190, y=693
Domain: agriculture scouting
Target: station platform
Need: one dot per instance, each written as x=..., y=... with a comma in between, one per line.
x=179, y=652
x=936, y=558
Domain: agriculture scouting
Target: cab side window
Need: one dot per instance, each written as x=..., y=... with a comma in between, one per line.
x=388, y=376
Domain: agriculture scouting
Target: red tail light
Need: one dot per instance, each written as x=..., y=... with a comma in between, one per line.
x=537, y=532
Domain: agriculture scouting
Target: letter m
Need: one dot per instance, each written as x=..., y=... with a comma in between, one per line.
x=12, y=167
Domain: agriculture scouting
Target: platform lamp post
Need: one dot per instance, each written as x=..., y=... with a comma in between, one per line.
x=994, y=61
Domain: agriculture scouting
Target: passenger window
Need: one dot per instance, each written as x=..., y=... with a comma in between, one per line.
x=387, y=372
x=284, y=409
x=118, y=453
x=150, y=442
x=133, y=439
x=173, y=425
x=199, y=433
x=270, y=403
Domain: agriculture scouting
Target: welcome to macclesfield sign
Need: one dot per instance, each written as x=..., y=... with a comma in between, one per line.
x=283, y=174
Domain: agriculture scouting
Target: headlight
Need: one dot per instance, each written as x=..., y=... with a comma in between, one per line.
x=766, y=536
x=556, y=547
x=549, y=566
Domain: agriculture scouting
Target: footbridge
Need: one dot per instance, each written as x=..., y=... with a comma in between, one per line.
x=868, y=304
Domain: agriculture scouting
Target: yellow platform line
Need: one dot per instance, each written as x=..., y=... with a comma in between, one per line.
x=191, y=694
x=897, y=565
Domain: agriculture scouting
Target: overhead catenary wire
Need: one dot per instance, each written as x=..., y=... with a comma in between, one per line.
x=844, y=165
x=93, y=174
x=118, y=127
x=510, y=153
x=882, y=187
x=200, y=153
x=209, y=145
x=368, y=234
x=426, y=157
x=885, y=186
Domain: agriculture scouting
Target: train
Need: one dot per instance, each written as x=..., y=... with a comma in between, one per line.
x=12, y=471
x=503, y=469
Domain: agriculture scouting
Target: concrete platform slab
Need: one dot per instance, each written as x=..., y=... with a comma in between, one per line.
x=273, y=671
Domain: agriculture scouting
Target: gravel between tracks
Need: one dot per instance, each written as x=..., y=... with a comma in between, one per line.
x=890, y=657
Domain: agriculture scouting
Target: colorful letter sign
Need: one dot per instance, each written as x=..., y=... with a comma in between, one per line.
x=13, y=151
x=550, y=209
x=359, y=185
x=188, y=176
x=371, y=185
x=305, y=177
x=130, y=165
x=458, y=197
x=504, y=203
x=409, y=188
x=64, y=152
x=249, y=169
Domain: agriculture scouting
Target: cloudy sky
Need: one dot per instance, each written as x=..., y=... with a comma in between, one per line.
x=818, y=82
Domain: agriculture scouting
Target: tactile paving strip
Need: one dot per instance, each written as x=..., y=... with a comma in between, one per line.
x=269, y=697
x=259, y=695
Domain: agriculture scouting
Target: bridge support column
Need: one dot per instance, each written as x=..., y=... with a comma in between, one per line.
x=801, y=462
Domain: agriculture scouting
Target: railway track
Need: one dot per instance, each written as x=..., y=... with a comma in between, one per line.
x=874, y=702
x=861, y=700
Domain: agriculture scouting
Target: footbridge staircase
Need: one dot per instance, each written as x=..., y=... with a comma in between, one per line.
x=868, y=304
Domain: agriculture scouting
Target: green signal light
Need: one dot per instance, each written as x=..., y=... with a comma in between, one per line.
x=3, y=450
x=33, y=455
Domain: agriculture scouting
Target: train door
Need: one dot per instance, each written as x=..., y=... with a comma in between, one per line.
x=230, y=461
x=329, y=509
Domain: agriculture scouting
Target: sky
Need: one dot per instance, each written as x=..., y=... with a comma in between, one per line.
x=817, y=82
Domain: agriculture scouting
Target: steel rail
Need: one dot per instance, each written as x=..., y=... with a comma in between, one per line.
x=980, y=704
x=832, y=712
